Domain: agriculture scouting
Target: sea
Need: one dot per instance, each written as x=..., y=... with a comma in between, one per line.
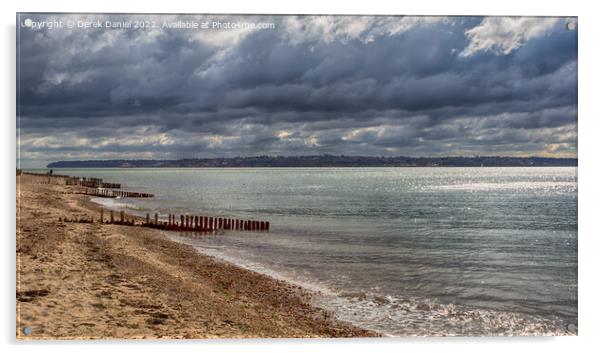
x=402, y=251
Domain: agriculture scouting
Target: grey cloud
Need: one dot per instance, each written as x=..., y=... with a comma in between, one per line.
x=245, y=90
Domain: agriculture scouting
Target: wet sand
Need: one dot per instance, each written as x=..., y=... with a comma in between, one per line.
x=103, y=281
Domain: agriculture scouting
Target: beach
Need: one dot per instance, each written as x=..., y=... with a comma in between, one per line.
x=106, y=281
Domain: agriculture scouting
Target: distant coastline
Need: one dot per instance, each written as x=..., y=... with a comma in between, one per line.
x=322, y=161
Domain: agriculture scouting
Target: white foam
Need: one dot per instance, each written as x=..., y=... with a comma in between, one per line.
x=115, y=203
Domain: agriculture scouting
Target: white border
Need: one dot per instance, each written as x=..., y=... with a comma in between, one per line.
x=589, y=169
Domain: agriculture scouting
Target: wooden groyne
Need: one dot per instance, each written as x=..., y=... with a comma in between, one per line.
x=185, y=223
x=91, y=186
x=72, y=180
x=101, y=192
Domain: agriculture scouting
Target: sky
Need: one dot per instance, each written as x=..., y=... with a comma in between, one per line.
x=293, y=85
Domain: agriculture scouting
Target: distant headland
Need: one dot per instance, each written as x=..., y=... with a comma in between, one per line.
x=322, y=161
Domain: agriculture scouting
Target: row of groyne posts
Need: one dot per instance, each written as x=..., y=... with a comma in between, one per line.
x=103, y=192
x=186, y=223
x=92, y=186
x=96, y=187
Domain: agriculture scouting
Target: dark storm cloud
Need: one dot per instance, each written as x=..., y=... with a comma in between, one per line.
x=352, y=85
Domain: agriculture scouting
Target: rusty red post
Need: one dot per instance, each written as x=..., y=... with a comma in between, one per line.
x=181, y=221
x=156, y=218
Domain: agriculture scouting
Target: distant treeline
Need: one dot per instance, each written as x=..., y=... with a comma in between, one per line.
x=323, y=161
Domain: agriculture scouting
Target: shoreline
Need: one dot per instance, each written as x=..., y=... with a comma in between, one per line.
x=105, y=281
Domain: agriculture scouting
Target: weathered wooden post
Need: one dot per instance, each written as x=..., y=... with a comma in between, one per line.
x=156, y=218
x=196, y=222
x=101, y=215
x=122, y=216
x=112, y=219
x=267, y=225
x=147, y=219
x=181, y=221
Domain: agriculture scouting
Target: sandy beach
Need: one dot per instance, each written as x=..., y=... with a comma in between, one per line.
x=104, y=281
